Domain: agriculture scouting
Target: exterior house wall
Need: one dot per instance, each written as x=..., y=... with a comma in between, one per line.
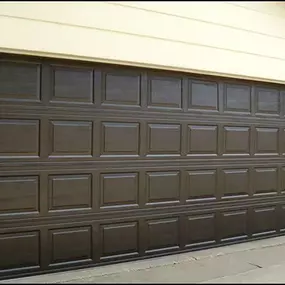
x=235, y=39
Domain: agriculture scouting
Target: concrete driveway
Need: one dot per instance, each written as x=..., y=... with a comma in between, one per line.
x=260, y=261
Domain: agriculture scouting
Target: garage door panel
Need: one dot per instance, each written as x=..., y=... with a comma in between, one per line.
x=266, y=141
x=71, y=138
x=165, y=92
x=19, y=138
x=120, y=138
x=266, y=181
x=237, y=98
x=105, y=163
x=267, y=101
x=236, y=183
x=19, y=195
x=119, y=240
x=237, y=140
x=164, y=139
x=20, y=81
x=162, y=235
x=72, y=85
x=70, y=192
x=202, y=185
x=281, y=218
x=163, y=187
x=201, y=230
x=234, y=225
x=203, y=95
x=202, y=140
x=72, y=244
x=282, y=174
x=121, y=88
x=264, y=220
x=119, y=190
x=19, y=251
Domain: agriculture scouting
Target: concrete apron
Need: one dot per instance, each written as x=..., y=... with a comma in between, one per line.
x=245, y=262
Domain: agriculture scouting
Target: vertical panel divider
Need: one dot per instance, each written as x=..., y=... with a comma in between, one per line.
x=184, y=140
x=282, y=173
x=220, y=183
x=96, y=243
x=182, y=231
x=253, y=100
x=45, y=143
x=144, y=91
x=142, y=189
x=143, y=139
x=280, y=141
x=250, y=221
x=220, y=139
x=218, y=226
x=44, y=198
x=251, y=181
x=221, y=95
x=279, y=179
x=96, y=188
x=183, y=190
x=97, y=88
x=96, y=143
x=46, y=95
x=185, y=93
x=45, y=246
x=143, y=236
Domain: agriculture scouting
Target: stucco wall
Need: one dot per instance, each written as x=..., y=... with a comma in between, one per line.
x=239, y=39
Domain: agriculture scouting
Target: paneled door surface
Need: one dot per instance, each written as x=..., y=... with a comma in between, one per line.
x=101, y=163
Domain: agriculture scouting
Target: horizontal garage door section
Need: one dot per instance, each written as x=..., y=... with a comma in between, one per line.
x=102, y=163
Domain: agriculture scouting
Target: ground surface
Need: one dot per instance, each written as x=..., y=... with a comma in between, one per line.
x=260, y=261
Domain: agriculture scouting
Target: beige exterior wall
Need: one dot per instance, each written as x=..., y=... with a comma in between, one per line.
x=238, y=39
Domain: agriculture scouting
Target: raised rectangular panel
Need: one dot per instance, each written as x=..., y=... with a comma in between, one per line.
x=282, y=145
x=72, y=85
x=19, y=81
x=282, y=218
x=19, y=194
x=165, y=92
x=234, y=225
x=19, y=138
x=202, y=140
x=201, y=184
x=164, y=139
x=119, y=189
x=265, y=180
x=119, y=239
x=70, y=245
x=163, y=186
x=201, y=229
x=267, y=101
x=282, y=180
x=236, y=182
x=267, y=140
x=264, y=221
x=120, y=138
x=237, y=140
x=203, y=95
x=122, y=89
x=237, y=98
x=19, y=250
x=162, y=234
x=68, y=192
x=71, y=138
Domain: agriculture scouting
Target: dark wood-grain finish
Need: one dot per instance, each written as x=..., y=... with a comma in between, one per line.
x=102, y=163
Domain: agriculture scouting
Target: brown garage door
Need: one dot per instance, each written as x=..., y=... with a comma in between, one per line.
x=102, y=163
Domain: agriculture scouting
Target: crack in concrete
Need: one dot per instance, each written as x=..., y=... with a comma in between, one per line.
x=256, y=265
